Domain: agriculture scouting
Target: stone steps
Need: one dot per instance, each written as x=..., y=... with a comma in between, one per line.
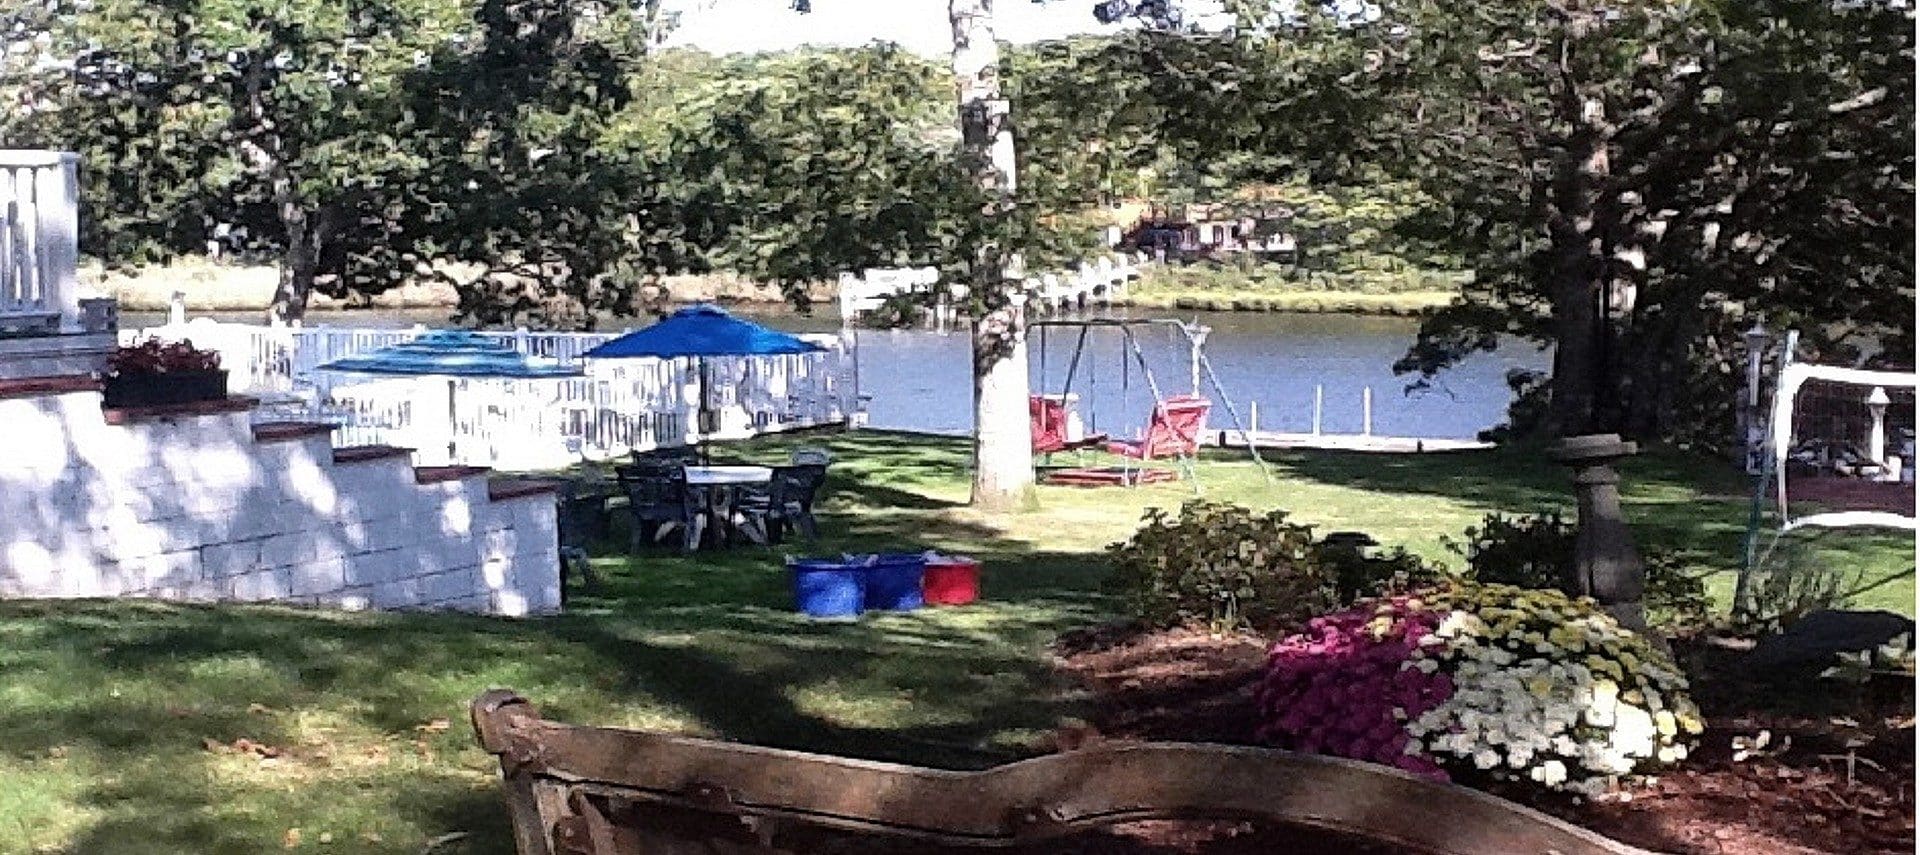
x=192, y=502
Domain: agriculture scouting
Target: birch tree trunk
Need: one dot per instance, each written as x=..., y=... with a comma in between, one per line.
x=1002, y=443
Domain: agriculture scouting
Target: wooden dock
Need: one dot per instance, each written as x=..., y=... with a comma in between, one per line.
x=1344, y=442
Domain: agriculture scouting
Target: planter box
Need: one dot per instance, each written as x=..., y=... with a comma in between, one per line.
x=173, y=387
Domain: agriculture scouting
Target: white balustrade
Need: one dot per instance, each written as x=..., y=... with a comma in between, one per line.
x=618, y=406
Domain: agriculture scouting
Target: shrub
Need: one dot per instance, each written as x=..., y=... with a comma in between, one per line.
x=1508, y=683
x=1220, y=565
x=1529, y=551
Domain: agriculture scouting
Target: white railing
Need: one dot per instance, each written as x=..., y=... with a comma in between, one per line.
x=39, y=239
x=618, y=406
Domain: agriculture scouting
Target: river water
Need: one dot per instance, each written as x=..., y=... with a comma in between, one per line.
x=1269, y=362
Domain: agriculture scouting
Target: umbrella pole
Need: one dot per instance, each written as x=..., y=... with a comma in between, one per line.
x=706, y=413
x=453, y=423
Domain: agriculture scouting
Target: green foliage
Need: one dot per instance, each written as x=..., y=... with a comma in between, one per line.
x=1529, y=551
x=1223, y=566
x=1690, y=166
x=1791, y=580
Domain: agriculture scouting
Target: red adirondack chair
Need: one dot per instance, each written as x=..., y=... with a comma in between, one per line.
x=1173, y=432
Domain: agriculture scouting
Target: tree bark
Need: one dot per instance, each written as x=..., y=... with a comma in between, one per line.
x=1580, y=280
x=298, y=263
x=1002, y=443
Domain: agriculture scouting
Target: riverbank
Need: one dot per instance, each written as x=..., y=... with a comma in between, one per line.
x=1212, y=287
x=211, y=286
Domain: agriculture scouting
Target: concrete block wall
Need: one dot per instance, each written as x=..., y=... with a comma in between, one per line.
x=202, y=507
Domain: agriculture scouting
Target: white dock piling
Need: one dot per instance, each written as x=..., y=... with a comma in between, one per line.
x=1366, y=411
x=1319, y=397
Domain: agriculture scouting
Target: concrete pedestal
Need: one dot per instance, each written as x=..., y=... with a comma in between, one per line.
x=1606, y=564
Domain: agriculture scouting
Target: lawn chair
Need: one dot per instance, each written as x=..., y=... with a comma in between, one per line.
x=1173, y=432
x=661, y=497
x=1047, y=420
x=786, y=502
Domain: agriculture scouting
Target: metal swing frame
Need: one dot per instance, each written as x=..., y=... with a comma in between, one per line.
x=1198, y=366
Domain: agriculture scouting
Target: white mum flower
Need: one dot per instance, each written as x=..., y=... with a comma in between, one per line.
x=1552, y=773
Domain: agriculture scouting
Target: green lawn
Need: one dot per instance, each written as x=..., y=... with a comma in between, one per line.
x=119, y=721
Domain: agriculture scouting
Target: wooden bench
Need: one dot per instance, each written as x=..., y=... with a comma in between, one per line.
x=575, y=790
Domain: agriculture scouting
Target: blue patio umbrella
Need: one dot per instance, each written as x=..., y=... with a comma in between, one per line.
x=452, y=354
x=698, y=332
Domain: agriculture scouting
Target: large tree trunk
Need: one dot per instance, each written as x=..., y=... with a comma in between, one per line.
x=1580, y=282
x=297, y=264
x=1002, y=443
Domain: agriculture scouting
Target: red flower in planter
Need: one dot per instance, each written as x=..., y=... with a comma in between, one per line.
x=154, y=357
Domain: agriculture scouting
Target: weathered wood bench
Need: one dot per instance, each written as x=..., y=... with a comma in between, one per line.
x=575, y=790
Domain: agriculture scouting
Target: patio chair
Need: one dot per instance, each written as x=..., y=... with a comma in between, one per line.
x=581, y=520
x=662, y=499
x=785, y=502
x=810, y=456
x=679, y=455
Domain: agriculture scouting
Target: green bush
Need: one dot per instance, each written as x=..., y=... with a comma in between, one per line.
x=1527, y=551
x=1224, y=566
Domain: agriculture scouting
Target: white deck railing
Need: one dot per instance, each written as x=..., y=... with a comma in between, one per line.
x=619, y=406
x=39, y=239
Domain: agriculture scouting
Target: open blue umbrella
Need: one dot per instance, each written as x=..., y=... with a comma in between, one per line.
x=452, y=354
x=698, y=332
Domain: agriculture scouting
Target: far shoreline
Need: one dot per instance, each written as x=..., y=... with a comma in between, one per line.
x=217, y=287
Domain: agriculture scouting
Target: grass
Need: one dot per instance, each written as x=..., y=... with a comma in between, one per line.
x=123, y=722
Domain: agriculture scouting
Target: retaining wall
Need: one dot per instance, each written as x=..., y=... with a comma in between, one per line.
x=194, y=503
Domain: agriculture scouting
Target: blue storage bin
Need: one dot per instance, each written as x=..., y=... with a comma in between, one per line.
x=894, y=580
x=828, y=588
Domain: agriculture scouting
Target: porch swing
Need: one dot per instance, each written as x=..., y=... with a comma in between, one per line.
x=1174, y=427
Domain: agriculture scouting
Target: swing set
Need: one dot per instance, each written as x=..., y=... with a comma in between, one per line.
x=1173, y=429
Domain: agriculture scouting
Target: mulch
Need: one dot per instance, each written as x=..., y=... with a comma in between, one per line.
x=1183, y=685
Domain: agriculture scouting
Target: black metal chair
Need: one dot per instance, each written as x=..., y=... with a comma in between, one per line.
x=660, y=496
x=580, y=520
x=679, y=455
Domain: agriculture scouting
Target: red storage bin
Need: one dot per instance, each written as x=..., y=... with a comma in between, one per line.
x=951, y=581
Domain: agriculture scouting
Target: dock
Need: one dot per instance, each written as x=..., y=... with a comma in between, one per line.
x=1344, y=442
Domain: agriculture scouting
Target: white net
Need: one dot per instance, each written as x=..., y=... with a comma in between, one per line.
x=1843, y=447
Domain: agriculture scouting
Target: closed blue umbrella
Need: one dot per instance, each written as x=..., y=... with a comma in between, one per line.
x=451, y=354
x=699, y=332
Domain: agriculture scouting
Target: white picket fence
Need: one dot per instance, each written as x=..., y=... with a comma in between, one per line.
x=618, y=406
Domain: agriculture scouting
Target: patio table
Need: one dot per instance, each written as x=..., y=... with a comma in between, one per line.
x=718, y=486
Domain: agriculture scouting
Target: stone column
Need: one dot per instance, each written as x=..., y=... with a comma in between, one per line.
x=1606, y=564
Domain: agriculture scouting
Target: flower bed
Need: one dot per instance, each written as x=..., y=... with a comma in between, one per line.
x=153, y=373
x=1480, y=680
